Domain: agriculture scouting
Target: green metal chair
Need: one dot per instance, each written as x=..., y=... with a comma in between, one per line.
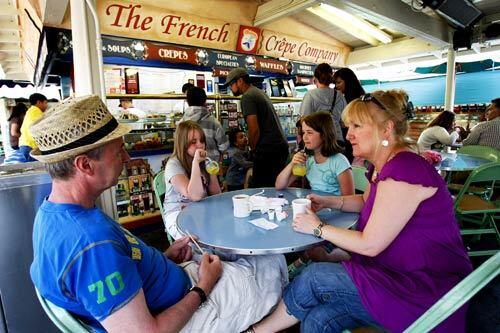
x=457, y=296
x=159, y=189
x=487, y=153
x=64, y=321
x=360, y=180
x=481, y=151
x=479, y=209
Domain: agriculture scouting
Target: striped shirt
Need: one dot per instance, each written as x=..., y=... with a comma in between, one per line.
x=485, y=134
x=216, y=139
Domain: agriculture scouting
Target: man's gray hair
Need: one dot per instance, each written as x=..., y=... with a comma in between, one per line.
x=65, y=169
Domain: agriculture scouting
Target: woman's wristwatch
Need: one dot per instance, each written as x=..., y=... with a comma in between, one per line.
x=200, y=292
x=318, y=230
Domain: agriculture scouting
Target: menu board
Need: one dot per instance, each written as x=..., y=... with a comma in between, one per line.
x=114, y=81
x=131, y=81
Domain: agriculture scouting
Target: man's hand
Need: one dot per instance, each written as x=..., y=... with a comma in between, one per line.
x=209, y=272
x=179, y=251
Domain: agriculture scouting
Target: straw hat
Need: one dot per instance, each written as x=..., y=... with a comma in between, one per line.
x=73, y=127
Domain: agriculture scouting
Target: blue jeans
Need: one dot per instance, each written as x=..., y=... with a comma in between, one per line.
x=25, y=151
x=324, y=298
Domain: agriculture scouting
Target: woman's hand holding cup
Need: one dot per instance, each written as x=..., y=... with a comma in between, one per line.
x=306, y=222
x=318, y=202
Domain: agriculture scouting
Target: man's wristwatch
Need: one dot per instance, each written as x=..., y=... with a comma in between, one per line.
x=200, y=292
x=318, y=230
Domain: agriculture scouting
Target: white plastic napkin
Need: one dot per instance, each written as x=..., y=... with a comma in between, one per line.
x=264, y=224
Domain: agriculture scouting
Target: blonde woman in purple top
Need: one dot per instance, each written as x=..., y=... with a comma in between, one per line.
x=406, y=251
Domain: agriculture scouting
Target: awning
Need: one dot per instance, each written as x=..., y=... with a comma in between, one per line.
x=461, y=67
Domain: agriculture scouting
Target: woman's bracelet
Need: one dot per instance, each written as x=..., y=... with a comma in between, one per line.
x=341, y=203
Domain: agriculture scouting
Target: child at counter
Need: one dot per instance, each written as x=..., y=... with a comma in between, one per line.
x=240, y=160
x=327, y=170
x=186, y=179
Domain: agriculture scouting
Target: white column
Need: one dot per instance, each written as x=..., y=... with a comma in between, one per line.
x=88, y=76
x=449, y=97
x=86, y=66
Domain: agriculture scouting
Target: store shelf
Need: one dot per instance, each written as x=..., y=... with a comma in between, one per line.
x=149, y=152
x=131, y=222
x=128, y=219
x=183, y=96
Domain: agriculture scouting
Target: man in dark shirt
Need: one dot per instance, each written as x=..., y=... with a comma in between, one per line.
x=265, y=135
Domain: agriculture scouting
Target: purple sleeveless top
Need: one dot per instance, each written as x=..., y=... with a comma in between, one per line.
x=423, y=262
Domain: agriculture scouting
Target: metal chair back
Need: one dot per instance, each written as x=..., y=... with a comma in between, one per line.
x=485, y=152
x=360, y=180
x=479, y=209
x=64, y=321
x=159, y=189
x=457, y=296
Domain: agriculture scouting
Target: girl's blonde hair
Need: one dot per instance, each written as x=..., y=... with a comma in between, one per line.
x=395, y=104
x=181, y=144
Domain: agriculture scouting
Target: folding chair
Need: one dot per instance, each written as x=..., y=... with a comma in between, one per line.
x=64, y=321
x=485, y=152
x=457, y=296
x=479, y=209
x=360, y=180
x=159, y=189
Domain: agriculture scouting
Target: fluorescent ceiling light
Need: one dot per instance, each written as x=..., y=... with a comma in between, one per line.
x=353, y=25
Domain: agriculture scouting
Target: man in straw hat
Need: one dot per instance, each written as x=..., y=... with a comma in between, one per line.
x=86, y=263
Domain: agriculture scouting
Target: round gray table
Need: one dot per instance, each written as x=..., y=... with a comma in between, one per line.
x=460, y=162
x=212, y=221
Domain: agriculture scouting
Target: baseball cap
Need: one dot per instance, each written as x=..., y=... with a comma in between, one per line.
x=235, y=74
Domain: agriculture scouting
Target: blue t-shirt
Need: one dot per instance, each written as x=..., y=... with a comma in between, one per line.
x=323, y=176
x=88, y=264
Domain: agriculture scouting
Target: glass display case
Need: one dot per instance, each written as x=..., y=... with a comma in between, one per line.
x=152, y=139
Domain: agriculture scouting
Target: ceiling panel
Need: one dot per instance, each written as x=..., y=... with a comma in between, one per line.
x=329, y=29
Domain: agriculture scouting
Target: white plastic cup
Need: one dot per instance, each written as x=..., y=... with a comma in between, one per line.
x=300, y=205
x=242, y=207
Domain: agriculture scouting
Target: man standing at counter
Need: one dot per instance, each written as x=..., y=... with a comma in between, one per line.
x=265, y=135
x=39, y=104
x=86, y=263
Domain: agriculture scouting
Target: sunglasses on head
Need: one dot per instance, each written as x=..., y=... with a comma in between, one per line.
x=370, y=98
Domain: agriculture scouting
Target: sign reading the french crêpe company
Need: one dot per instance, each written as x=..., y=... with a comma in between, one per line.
x=278, y=45
x=133, y=19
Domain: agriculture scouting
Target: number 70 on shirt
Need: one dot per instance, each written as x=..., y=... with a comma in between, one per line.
x=114, y=284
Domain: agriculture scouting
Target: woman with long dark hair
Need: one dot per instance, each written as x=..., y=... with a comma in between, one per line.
x=439, y=130
x=15, y=121
x=347, y=83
